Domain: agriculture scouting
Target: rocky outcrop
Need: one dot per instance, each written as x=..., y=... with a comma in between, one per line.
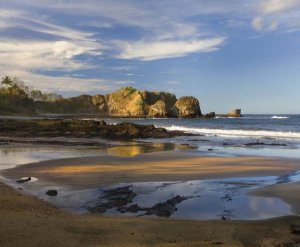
x=126, y=102
x=158, y=109
x=210, y=115
x=81, y=129
x=100, y=101
x=235, y=113
x=187, y=107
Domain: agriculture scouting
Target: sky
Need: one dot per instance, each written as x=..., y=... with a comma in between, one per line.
x=227, y=53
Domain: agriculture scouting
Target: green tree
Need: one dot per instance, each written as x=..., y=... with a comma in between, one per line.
x=7, y=81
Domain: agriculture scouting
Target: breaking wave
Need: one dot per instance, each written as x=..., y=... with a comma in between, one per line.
x=280, y=117
x=236, y=132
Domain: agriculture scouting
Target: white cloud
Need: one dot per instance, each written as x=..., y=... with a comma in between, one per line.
x=259, y=24
x=45, y=55
x=274, y=6
x=62, y=84
x=277, y=15
x=144, y=50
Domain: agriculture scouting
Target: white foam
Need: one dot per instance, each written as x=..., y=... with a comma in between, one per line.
x=280, y=117
x=236, y=132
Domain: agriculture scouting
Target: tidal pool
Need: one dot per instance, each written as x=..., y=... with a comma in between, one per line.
x=201, y=199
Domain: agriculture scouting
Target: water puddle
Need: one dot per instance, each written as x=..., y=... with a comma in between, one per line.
x=199, y=200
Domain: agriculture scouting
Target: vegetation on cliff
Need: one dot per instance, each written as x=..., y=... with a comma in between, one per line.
x=17, y=98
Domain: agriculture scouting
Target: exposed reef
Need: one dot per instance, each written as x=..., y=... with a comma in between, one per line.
x=82, y=129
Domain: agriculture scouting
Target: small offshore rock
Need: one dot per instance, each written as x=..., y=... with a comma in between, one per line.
x=235, y=113
x=52, y=193
x=224, y=218
x=210, y=115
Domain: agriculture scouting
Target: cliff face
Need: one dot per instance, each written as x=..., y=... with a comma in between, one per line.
x=126, y=102
x=187, y=107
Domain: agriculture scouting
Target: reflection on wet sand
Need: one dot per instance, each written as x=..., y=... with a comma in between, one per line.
x=134, y=150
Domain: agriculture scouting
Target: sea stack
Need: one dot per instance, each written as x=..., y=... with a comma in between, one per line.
x=235, y=113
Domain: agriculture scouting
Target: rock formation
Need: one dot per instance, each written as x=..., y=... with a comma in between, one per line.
x=81, y=128
x=187, y=107
x=235, y=113
x=210, y=115
x=126, y=102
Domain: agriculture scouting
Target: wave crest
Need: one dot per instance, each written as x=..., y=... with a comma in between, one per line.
x=280, y=117
x=236, y=132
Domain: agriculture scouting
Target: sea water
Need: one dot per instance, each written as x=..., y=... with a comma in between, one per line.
x=265, y=135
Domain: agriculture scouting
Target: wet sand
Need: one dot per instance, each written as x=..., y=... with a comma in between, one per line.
x=28, y=221
x=289, y=193
x=87, y=172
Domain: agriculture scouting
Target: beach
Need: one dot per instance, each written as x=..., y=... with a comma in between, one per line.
x=26, y=220
x=184, y=190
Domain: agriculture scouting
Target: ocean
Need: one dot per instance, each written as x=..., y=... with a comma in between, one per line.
x=265, y=135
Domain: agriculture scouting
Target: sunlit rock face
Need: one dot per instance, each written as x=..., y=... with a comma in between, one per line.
x=187, y=107
x=126, y=102
x=129, y=102
x=235, y=113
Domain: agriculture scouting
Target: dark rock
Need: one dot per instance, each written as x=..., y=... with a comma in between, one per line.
x=24, y=180
x=264, y=144
x=210, y=115
x=51, y=193
x=295, y=229
x=166, y=209
x=114, y=198
x=81, y=128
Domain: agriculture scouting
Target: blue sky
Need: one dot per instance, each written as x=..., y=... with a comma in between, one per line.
x=228, y=54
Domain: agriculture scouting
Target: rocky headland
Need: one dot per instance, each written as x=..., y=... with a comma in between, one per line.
x=18, y=99
x=126, y=102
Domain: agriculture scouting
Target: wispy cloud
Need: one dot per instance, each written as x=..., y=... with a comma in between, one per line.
x=275, y=6
x=45, y=55
x=275, y=15
x=144, y=50
x=70, y=84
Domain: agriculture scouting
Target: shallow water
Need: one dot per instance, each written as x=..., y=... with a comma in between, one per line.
x=206, y=199
x=13, y=155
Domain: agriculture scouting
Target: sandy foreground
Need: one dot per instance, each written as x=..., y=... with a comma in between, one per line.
x=28, y=221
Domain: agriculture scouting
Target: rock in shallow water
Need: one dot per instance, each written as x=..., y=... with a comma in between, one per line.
x=24, y=180
x=52, y=193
